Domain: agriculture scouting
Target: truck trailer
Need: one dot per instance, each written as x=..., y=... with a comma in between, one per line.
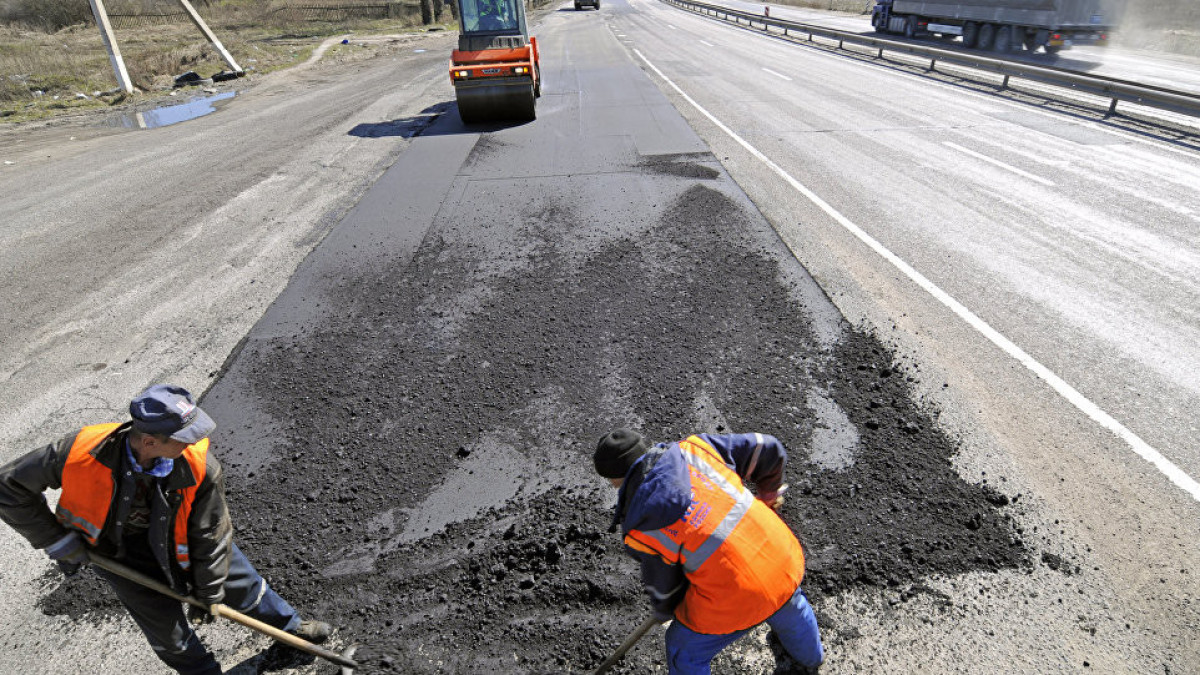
x=1003, y=25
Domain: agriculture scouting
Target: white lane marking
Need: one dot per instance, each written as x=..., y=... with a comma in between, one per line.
x=779, y=75
x=996, y=162
x=709, y=44
x=672, y=27
x=1143, y=449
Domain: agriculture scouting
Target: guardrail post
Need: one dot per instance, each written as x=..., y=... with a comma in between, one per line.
x=933, y=64
x=1112, y=107
x=1004, y=85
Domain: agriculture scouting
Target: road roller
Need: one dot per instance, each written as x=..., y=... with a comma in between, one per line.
x=495, y=69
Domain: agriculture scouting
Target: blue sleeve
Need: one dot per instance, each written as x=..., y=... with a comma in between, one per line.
x=664, y=584
x=758, y=458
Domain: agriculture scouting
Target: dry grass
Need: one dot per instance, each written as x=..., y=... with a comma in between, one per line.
x=43, y=72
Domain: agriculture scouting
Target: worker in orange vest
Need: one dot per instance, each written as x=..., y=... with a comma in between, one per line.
x=149, y=494
x=714, y=557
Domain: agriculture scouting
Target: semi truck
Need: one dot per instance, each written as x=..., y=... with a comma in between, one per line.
x=1003, y=25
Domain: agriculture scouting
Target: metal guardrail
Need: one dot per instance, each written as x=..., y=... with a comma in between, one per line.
x=1114, y=89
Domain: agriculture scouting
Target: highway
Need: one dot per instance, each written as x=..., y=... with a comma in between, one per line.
x=1076, y=243
x=1138, y=65
x=705, y=228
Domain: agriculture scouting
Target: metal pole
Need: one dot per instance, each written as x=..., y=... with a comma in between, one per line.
x=187, y=6
x=110, y=44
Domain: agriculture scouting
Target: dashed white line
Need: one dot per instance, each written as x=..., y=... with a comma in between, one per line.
x=672, y=27
x=996, y=162
x=779, y=75
x=708, y=44
x=1140, y=447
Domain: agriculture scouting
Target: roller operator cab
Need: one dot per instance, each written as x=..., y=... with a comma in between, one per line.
x=495, y=69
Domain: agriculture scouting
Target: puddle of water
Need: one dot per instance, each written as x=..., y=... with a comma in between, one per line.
x=172, y=114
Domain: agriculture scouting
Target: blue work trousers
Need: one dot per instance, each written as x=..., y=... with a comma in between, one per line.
x=691, y=653
x=165, y=624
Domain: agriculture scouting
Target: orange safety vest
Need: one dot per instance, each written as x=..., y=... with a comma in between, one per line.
x=88, y=489
x=742, y=561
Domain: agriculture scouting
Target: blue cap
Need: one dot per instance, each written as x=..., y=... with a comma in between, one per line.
x=168, y=410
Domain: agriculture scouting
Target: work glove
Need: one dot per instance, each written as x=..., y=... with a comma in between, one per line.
x=775, y=501
x=69, y=552
x=199, y=616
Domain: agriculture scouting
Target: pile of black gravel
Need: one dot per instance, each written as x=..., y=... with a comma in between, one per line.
x=384, y=398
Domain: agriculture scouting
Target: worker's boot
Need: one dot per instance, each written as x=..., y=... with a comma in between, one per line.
x=315, y=632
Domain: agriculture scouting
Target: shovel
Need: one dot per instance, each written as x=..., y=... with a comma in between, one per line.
x=348, y=665
x=627, y=645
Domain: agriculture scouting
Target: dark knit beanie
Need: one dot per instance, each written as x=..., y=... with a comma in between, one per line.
x=618, y=451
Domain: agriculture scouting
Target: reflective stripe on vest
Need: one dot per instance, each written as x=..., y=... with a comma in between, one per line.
x=88, y=489
x=742, y=560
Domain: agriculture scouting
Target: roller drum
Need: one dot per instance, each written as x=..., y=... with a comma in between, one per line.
x=496, y=102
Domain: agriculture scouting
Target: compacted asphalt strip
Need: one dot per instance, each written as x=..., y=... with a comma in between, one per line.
x=408, y=430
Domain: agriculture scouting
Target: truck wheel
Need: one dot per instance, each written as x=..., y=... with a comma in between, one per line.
x=1003, y=43
x=1053, y=50
x=970, y=34
x=1031, y=43
x=910, y=26
x=987, y=36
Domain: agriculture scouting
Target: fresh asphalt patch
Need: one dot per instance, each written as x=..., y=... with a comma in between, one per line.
x=463, y=389
x=407, y=432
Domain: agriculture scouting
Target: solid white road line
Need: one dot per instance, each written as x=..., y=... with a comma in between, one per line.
x=1143, y=449
x=779, y=75
x=998, y=163
x=708, y=44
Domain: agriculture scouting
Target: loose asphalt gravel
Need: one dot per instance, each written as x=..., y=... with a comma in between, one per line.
x=427, y=484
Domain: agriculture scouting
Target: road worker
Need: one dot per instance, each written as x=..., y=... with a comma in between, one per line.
x=495, y=15
x=715, y=557
x=149, y=494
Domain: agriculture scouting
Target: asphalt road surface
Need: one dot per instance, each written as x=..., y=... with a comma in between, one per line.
x=411, y=333
x=1137, y=65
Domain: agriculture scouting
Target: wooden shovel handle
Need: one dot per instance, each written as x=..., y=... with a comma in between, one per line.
x=223, y=611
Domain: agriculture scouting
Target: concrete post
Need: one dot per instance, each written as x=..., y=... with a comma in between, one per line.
x=110, y=44
x=195, y=16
